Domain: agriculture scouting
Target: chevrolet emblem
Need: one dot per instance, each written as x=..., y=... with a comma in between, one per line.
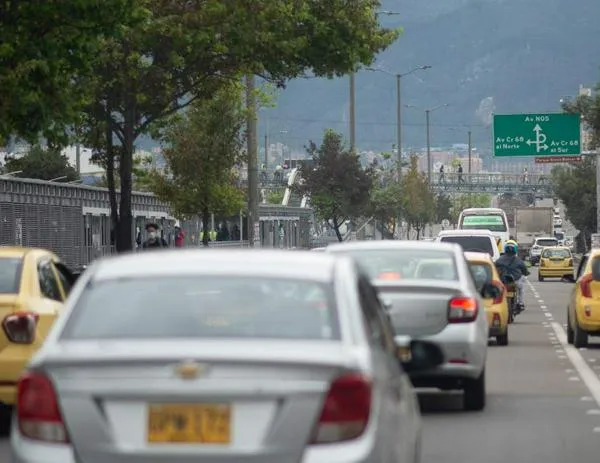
x=190, y=370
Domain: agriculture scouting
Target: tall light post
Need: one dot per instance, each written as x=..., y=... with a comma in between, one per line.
x=399, y=108
x=427, y=125
x=352, y=109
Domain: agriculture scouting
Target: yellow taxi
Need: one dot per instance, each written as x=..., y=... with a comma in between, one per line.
x=33, y=285
x=556, y=262
x=583, y=311
x=484, y=271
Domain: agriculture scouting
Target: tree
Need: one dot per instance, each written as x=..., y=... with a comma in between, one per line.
x=43, y=164
x=575, y=186
x=140, y=177
x=47, y=48
x=338, y=186
x=443, y=208
x=275, y=197
x=386, y=205
x=202, y=148
x=589, y=108
x=418, y=200
x=184, y=51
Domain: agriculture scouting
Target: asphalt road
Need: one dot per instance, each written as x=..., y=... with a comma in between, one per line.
x=543, y=396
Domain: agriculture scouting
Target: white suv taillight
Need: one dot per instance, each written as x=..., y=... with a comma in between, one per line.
x=20, y=327
x=38, y=414
x=346, y=410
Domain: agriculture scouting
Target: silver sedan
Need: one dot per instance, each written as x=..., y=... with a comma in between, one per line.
x=221, y=356
x=430, y=294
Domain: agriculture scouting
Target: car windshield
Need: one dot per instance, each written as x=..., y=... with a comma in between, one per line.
x=471, y=243
x=491, y=222
x=10, y=275
x=546, y=242
x=204, y=306
x=482, y=273
x=559, y=236
x=556, y=253
x=409, y=264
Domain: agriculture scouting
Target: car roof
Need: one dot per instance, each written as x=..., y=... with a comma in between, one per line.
x=478, y=257
x=21, y=251
x=316, y=266
x=493, y=210
x=474, y=232
x=393, y=245
x=557, y=247
x=546, y=238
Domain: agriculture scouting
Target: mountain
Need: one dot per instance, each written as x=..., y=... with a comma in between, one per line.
x=503, y=56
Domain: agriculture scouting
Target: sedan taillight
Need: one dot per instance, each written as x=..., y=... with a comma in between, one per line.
x=20, y=327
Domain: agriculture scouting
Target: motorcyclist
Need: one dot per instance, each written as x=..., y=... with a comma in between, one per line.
x=509, y=264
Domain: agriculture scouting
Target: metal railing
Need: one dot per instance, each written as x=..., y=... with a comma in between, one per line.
x=538, y=184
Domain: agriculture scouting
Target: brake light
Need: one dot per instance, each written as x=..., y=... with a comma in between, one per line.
x=586, y=286
x=462, y=310
x=500, y=286
x=38, y=413
x=20, y=327
x=346, y=410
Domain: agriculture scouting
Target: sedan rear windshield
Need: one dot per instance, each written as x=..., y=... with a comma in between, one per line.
x=482, y=273
x=546, y=242
x=204, y=307
x=472, y=243
x=556, y=253
x=406, y=264
x=10, y=275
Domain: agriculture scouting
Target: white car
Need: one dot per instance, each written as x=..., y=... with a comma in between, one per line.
x=539, y=244
x=472, y=241
x=431, y=295
x=221, y=356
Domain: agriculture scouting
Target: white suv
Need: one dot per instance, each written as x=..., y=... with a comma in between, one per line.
x=539, y=244
x=472, y=241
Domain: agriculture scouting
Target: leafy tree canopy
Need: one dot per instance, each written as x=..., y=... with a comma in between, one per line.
x=45, y=49
x=183, y=51
x=42, y=164
x=466, y=201
x=589, y=108
x=418, y=199
x=338, y=186
x=202, y=148
x=575, y=186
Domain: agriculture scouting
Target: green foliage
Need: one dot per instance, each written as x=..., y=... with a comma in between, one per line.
x=443, y=208
x=141, y=175
x=275, y=197
x=575, y=186
x=42, y=164
x=386, y=203
x=46, y=50
x=202, y=149
x=338, y=186
x=185, y=51
x=589, y=108
x=418, y=200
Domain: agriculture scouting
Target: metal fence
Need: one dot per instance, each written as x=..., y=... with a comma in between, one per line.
x=74, y=220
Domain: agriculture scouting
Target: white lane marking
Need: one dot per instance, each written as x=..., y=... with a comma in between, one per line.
x=569, y=370
x=597, y=429
x=594, y=411
x=547, y=314
x=562, y=357
x=591, y=360
x=543, y=307
x=589, y=378
x=574, y=378
x=586, y=398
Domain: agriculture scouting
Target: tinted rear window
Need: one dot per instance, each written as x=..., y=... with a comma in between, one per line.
x=10, y=275
x=482, y=273
x=546, y=242
x=472, y=243
x=556, y=253
x=491, y=222
x=406, y=264
x=204, y=307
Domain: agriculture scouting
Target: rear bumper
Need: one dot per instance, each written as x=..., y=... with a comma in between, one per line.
x=555, y=272
x=28, y=451
x=465, y=351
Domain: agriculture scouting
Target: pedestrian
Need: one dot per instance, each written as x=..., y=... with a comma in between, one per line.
x=460, y=174
x=441, y=179
x=179, y=237
x=154, y=239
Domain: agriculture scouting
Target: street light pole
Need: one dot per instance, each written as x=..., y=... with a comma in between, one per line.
x=399, y=124
x=352, y=110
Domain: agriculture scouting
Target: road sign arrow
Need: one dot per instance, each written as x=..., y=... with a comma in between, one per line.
x=543, y=147
x=537, y=128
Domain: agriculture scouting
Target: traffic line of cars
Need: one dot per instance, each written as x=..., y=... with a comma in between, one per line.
x=231, y=355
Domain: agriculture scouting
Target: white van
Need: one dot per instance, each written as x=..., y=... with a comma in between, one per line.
x=485, y=218
x=472, y=241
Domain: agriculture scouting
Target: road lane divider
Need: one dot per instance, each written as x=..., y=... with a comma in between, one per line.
x=587, y=375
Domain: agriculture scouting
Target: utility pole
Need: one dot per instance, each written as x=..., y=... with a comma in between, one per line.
x=78, y=158
x=470, y=155
x=352, y=115
x=252, y=148
x=399, y=123
x=427, y=112
x=266, y=151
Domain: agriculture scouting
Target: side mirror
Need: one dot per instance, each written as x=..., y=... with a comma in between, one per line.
x=78, y=272
x=490, y=291
x=421, y=356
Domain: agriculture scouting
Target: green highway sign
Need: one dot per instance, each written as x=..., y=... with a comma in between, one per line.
x=537, y=134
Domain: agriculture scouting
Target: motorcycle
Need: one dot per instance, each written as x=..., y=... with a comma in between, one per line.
x=511, y=297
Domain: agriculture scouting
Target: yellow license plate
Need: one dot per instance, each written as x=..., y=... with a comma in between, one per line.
x=189, y=424
x=404, y=354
